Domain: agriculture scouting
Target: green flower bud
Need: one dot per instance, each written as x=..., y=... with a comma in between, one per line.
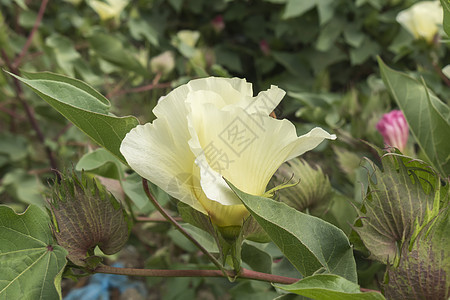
x=313, y=190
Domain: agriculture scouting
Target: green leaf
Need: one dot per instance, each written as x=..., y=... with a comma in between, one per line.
x=309, y=243
x=112, y=50
x=64, y=52
x=427, y=116
x=140, y=28
x=101, y=162
x=25, y=187
x=203, y=237
x=328, y=35
x=329, y=287
x=446, y=23
x=30, y=261
x=83, y=106
x=256, y=258
x=14, y=147
x=132, y=186
x=295, y=8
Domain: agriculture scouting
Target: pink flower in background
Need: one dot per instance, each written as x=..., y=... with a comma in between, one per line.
x=218, y=23
x=394, y=129
x=264, y=46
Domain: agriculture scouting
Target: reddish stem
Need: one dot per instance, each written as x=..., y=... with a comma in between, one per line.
x=180, y=228
x=25, y=48
x=155, y=84
x=245, y=273
x=156, y=220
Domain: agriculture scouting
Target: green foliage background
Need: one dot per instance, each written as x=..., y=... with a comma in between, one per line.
x=322, y=53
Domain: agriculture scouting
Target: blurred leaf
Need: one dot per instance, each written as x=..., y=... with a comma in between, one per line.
x=292, y=62
x=427, y=116
x=204, y=238
x=140, y=28
x=13, y=146
x=256, y=258
x=25, y=187
x=176, y=4
x=132, y=186
x=83, y=106
x=360, y=54
x=353, y=35
x=446, y=7
x=228, y=58
x=64, y=52
x=112, y=50
x=31, y=262
x=329, y=34
x=310, y=243
x=329, y=287
x=295, y=8
x=101, y=162
x=325, y=9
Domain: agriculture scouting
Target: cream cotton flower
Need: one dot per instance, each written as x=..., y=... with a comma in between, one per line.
x=108, y=9
x=422, y=19
x=210, y=129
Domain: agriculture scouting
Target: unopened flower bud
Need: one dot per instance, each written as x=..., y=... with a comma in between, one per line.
x=313, y=190
x=394, y=129
x=163, y=63
x=84, y=216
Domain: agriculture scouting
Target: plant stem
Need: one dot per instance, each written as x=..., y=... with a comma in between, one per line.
x=155, y=219
x=25, y=48
x=30, y=116
x=245, y=273
x=181, y=229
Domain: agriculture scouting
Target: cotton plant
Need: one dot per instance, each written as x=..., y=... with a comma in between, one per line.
x=214, y=146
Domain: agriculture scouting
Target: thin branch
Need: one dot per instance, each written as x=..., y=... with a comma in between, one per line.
x=31, y=118
x=245, y=273
x=181, y=229
x=156, y=220
x=11, y=113
x=25, y=48
x=441, y=74
x=154, y=85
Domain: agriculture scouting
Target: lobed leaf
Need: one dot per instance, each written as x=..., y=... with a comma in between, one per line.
x=30, y=261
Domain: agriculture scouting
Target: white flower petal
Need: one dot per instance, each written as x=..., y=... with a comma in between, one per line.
x=153, y=151
x=264, y=103
x=221, y=215
x=235, y=146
